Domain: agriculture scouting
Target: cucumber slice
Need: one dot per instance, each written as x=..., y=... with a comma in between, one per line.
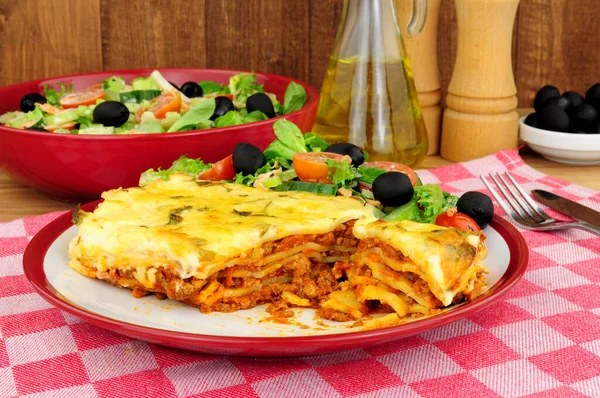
x=323, y=189
x=138, y=96
x=60, y=118
x=97, y=130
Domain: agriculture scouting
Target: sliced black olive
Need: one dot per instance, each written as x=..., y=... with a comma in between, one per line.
x=192, y=89
x=175, y=85
x=29, y=100
x=36, y=128
x=478, y=206
x=247, y=158
x=345, y=148
x=553, y=118
x=532, y=119
x=111, y=113
x=393, y=189
x=584, y=119
x=222, y=106
x=260, y=102
x=545, y=93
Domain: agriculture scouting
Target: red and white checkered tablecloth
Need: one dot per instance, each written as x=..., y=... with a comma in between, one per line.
x=542, y=339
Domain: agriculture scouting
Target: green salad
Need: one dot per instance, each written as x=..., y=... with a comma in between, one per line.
x=306, y=162
x=150, y=105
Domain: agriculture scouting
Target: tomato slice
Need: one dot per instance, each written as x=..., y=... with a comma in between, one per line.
x=312, y=166
x=394, y=166
x=89, y=96
x=454, y=219
x=222, y=170
x=169, y=101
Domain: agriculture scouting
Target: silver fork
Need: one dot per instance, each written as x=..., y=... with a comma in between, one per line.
x=524, y=210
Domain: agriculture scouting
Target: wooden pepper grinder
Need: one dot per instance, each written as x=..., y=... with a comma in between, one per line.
x=422, y=51
x=481, y=116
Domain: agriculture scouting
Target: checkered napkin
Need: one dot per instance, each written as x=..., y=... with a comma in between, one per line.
x=543, y=338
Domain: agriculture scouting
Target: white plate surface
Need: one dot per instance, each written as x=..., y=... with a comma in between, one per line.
x=106, y=300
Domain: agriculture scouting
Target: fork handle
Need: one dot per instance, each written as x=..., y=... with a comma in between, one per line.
x=587, y=227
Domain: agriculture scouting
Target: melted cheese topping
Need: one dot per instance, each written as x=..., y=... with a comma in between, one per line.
x=443, y=257
x=199, y=225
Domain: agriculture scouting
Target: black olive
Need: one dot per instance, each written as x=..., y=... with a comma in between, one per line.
x=531, y=119
x=29, y=100
x=592, y=96
x=553, y=118
x=222, y=106
x=247, y=158
x=175, y=85
x=260, y=102
x=584, y=119
x=574, y=98
x=192, y=89
x=393, y=189
x=36, y=128
x=545, y=93
x=345, y=148
x=561, y=102
x=478, y=206
x=111, y=113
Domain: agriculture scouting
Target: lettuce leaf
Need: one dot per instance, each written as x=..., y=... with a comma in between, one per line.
x=185, y=165
x=428, y=202
x=294, y=98
x=53, y=97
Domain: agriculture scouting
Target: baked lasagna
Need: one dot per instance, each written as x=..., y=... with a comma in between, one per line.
x=227, y=247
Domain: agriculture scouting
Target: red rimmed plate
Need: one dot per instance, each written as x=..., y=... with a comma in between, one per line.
x=243, y=333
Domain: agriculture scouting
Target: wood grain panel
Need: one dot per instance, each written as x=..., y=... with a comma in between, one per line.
x=324, y=20
x=266, y=36
x=447, y=34
x=153, y=34
x=47, y=38
x=558, y=45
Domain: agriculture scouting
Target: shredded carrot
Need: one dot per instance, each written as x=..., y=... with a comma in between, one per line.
x=28, y=123
x=50, y=109
x=67, y=126
x=373, y=202
x=345, y=192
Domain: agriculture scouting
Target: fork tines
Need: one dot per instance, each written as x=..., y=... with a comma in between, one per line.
x=515, y=201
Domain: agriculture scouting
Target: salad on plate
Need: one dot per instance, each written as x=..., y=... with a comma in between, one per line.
x=306, y=162
x=150, y=105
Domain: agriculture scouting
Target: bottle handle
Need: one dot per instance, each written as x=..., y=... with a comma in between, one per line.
x=419, y=16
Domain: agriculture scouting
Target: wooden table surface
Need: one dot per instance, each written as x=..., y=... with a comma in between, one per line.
x=17, y=201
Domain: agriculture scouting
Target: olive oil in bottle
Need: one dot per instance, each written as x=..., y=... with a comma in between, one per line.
x=368, y=96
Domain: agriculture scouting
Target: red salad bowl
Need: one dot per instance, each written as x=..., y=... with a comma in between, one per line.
x=80, y=167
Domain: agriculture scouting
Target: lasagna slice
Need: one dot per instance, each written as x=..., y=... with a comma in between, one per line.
x=217, y=246
x=226, y=247
x=405, y=268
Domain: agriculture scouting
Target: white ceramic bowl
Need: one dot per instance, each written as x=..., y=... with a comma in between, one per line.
x=580, y=149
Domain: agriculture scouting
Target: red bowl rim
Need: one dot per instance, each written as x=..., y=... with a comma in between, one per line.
x=33, y=263
x=312, y=93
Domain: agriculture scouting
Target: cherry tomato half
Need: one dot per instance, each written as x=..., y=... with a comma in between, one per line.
x=312, y=166
x=222, y=170
x=89, y=96
x=169, y=101
x=394, y=166
x=457, y=220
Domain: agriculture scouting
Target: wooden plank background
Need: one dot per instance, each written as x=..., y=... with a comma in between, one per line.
x=555, y=41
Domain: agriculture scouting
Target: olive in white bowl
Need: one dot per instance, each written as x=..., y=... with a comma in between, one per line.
x=561, y=147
